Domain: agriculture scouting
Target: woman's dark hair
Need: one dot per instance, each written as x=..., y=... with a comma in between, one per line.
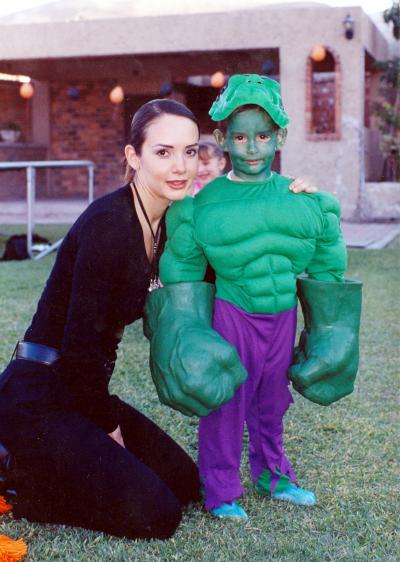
x=144, y=116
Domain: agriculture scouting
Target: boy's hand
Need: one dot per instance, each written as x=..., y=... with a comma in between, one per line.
x=302, y=184
x=326, y=360
x=198, y=374
x=194, y=369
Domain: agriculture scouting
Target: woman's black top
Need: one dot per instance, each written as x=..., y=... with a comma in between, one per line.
x=98, y=285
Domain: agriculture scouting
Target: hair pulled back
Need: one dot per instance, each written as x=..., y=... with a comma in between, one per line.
x=144, y=116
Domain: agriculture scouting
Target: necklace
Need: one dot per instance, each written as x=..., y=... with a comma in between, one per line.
x=155, y=282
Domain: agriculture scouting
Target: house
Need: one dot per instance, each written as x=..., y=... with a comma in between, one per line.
x=322, y=56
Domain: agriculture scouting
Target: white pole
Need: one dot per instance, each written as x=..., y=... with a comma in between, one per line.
x=91, y=183
x=30, y=195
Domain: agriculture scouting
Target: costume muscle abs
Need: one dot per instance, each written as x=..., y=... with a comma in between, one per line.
x=257, y=236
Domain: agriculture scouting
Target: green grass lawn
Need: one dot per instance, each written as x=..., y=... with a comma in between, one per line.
x=346, y=453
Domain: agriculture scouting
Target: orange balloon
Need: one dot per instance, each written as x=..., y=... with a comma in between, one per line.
x=318, y=53
x=117, y=95
x=26, y=90
x=217, y=79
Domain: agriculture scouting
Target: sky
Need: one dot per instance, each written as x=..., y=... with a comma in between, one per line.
x=369, y=6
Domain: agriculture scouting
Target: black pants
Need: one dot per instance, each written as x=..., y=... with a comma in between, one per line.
x=69, y=471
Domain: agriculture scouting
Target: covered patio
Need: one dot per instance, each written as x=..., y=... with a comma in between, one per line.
x=75, y=64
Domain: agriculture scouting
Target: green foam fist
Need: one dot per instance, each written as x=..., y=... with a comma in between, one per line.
x=326, y=360
x=193, y=368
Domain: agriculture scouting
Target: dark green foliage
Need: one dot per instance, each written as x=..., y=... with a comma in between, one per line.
x=388, y=114
x=393, y=15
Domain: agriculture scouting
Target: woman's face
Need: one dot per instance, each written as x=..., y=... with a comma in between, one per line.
x=168, y=161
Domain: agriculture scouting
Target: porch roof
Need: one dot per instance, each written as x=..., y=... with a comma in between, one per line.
x=133, y=32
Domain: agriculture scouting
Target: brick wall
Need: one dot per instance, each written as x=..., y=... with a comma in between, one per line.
x=13, y=182
x=87, y=128
x=17, y=110
x=14, y=108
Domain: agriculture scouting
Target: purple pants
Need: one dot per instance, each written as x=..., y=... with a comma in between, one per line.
x=265, y=346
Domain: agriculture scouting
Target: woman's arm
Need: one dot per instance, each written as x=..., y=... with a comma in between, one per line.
x=85, y=364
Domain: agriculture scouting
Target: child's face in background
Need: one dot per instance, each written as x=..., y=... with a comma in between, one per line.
x=251, y=140
x=210, y=167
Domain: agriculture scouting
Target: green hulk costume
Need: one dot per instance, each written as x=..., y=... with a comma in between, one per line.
x=258, y=236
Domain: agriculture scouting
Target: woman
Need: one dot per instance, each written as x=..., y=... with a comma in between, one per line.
x=81, y=456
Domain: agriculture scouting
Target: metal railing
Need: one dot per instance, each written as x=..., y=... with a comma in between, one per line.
x=31, y=192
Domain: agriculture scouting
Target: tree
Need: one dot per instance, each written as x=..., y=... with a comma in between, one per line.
x=388, y=110
x=388, y=114
x=393, y=15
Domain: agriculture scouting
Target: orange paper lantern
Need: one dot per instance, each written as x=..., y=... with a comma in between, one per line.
x=26, y=90
x=117, y=95
x=318, y=53
x=217, y=79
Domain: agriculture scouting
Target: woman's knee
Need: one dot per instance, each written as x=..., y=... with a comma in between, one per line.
x=165, y=524
x=156, y=518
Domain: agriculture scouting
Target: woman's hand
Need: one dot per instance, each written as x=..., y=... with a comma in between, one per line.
x=302, y=184
x=117, y=436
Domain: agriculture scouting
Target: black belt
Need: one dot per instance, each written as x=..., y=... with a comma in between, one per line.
x=36, y=352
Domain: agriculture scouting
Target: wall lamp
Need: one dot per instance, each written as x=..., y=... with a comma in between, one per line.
x=348, y=24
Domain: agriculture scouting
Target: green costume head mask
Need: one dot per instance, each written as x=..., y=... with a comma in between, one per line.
x=256, y=124
x=250, y=89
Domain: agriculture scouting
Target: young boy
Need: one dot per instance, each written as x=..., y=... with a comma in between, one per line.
x=258, y=236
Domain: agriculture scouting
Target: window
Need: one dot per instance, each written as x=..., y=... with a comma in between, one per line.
x=323, y=95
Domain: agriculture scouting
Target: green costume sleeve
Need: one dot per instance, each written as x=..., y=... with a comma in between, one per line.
x=193, y=368
x=330, y=257
x=183, y=259
x=326, y=359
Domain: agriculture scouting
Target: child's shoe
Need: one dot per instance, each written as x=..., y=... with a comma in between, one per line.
x=296, y=495
x=231, y=511
x=284, y=490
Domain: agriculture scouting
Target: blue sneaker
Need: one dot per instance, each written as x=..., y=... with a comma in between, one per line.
x=231, y=511
x=293, y=494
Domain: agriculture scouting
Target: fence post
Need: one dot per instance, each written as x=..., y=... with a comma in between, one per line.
x=30, y=195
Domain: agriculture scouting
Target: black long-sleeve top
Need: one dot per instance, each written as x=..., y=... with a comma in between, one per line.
x=97, y=286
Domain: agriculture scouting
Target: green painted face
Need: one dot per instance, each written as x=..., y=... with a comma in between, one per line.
x=251, y=140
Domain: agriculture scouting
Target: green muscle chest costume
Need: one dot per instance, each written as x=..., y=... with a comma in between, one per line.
x=258, y=236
